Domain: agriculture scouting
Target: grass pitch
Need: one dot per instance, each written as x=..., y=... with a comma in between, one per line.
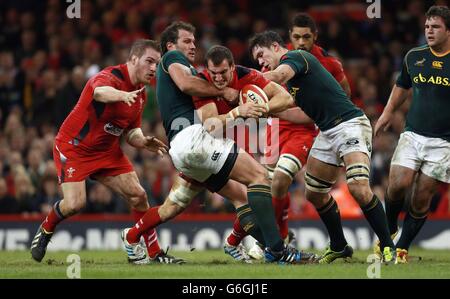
x=215, y=264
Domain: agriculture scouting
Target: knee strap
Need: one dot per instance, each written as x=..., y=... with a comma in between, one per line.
x=357, y=172
x=317, y=185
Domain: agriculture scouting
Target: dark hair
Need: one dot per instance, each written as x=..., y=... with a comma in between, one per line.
x=217, y=54
x=170, y=34
x=440, y=11
x=265, y=39
x=139, y=46
x=303, y=20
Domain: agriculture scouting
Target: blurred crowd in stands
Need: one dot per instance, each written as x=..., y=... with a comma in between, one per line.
x=46, y=58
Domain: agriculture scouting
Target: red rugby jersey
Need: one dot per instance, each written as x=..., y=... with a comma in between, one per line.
x=96, y=127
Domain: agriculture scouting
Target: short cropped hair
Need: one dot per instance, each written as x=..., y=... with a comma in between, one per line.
x=217, y=54
x=170, y=34
x=265, y=39
x=303, y=20
x=139, y=46
x=440, y=11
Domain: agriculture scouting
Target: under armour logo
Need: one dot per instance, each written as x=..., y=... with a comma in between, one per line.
x=70, y=172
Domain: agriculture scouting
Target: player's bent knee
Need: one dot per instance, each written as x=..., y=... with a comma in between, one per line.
x=260, y=176
x=317, y=185
x=73, y=205
x=289, y=165
x=182, y=195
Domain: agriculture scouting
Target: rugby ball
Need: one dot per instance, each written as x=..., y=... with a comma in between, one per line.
x=251, y=92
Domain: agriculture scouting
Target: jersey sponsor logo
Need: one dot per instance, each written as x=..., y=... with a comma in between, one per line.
x=112, y=129
x=215, y=156
x=420, y=62
x=437, y=64
x=435, y=80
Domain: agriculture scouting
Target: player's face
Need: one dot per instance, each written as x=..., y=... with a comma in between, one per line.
x=266, y=57
x=185, y=44
x=302, y=38
x=146, y=65
x=435, y=32
x=221, y=74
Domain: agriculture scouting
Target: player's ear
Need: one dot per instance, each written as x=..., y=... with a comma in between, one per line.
x=275, y=46
x=134, y=59
x=170, y=46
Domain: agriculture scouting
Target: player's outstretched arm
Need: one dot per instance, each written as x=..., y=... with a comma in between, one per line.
x=108, y=94
x=396, y=99
x=282, y=74
x=136, y=138
x=195, y=86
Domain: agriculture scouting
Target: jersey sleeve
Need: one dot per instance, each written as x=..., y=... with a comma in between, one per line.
x=296, y=61
x=105, y=78
x=174, y=57
x=403, y=79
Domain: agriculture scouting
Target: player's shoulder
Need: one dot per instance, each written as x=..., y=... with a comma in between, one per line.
x=323, y=55
x=110, y=72
x=420, y=50
x=242, y=71
x=204, y=75
x=174, y=54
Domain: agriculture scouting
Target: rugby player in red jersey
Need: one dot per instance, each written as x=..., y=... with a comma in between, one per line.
x=303, y=34
x=88, y=145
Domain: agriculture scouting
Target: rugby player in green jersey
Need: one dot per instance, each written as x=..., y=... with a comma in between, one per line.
x=421, y=160
x=345, y=139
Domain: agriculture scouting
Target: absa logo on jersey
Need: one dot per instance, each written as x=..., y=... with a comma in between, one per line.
x=435, y=80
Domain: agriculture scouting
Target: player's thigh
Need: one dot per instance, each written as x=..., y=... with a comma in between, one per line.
x=401, y=178
x=424, y=189
x=125, y=184
x=247, y=170
x=235, y=192
x=436, y=153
